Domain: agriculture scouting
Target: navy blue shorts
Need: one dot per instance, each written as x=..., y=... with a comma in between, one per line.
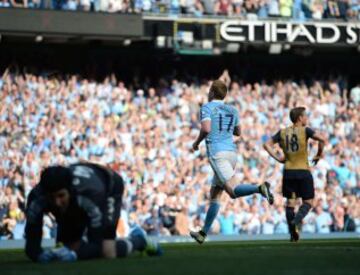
x=298, y=184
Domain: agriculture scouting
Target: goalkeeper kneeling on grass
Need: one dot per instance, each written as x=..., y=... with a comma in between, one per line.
x=85, y=200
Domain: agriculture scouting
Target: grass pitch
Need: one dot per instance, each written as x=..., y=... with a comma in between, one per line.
x=328, y=257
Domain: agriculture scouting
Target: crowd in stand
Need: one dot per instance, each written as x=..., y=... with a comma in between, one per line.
x=146, y=134
x=251, y=9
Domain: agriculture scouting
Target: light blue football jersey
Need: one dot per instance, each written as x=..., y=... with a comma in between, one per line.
x=223, y=118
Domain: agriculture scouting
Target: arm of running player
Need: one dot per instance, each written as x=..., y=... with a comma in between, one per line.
x=237, y=128
x=205, y=117
x=204, y=131
x=269, y=145
x=321, y=143
x=33, y=228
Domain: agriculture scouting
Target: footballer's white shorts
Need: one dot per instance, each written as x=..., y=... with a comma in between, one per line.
x=223, y=164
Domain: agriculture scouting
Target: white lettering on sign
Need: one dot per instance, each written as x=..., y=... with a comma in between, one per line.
x=275, y=30
x=320, y=27
x=300, y=30
x=353, y=35
x=290, y=32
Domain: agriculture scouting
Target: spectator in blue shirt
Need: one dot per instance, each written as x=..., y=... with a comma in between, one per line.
x=227, y=223
x=323, y=220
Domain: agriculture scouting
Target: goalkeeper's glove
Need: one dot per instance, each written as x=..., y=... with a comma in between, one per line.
x=64, y=254
x=46, y=256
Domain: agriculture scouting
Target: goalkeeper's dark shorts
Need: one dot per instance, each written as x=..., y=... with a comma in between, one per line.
x=298, y=184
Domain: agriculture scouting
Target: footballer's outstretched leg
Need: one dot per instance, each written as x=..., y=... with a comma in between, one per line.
x=242, y=190
x=215, y=195
x=264, y=190
x=211, y=214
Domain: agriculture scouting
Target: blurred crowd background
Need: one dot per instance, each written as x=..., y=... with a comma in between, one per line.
x=145, y=132
x=250, y=9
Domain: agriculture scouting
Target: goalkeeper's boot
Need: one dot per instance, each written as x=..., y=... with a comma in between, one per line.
x=152, y=248
x=264, y=190
x=198, y=236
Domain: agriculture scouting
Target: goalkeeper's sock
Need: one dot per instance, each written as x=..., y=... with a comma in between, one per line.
x=245, y=190
x=290, y=214
x=211, y=215
x=303, y=211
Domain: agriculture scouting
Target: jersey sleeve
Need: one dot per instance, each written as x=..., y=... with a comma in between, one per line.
x=276, y=138
x=309, y=132
x=205, y=113
x=34, y=223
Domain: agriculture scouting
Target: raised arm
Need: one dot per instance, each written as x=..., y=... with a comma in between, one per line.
x=225, y=77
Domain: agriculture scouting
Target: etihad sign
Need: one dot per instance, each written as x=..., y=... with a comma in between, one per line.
x=290, y=32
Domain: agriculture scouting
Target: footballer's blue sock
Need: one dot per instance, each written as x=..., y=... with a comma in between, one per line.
x=245, y=190
x=211, y=215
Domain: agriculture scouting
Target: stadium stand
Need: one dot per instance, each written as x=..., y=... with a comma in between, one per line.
x=124, y=89
x=251, y=9
x=145, y=132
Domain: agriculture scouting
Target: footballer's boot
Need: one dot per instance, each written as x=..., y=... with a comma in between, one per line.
x=294, y=232
x=198, y=236
x=152, y=248
x=264, y=190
